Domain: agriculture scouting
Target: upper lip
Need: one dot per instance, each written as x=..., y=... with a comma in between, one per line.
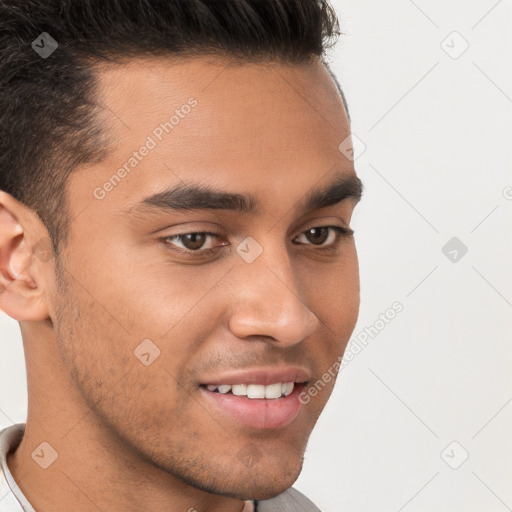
x=264, y=376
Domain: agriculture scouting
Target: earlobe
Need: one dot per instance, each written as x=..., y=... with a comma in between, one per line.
x=20, y=306
x=21, y=296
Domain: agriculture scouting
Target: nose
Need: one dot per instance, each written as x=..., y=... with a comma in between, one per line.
x=267, y=302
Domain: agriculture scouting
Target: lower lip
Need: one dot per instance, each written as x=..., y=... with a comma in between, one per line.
x=258, y=413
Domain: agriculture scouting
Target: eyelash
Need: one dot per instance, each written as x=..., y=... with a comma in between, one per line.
x=342, y=234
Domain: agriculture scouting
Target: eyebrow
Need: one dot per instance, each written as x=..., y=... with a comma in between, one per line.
x=190, y=197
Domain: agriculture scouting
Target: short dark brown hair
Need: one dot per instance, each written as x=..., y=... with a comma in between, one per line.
x=48, y=112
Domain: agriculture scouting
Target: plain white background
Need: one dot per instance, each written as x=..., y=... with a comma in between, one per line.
x=421, y=417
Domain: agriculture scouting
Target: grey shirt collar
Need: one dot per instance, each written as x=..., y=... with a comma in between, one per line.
x=11, y=497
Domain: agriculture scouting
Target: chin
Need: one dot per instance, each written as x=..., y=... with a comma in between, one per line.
x=264, y=481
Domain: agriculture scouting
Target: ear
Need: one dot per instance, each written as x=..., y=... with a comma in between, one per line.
x=25, y=253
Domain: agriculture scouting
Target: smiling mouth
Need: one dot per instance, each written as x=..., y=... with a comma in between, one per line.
x=260, y=398
x=255, y=391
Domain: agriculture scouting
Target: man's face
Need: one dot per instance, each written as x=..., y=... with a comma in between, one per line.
x=145, y=324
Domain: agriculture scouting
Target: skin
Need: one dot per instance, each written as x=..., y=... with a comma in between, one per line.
x=132, y=437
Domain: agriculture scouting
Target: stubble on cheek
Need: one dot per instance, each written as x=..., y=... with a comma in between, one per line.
x=144, y=407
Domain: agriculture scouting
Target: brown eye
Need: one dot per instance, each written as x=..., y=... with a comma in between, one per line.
x=193, y=241
x=317, y=236
x=192, y=244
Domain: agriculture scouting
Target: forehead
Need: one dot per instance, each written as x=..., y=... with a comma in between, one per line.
x=265, y=127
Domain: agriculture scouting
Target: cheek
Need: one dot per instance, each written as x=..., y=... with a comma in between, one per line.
x=159, y=298
x=333, y=295
x=132, y=386
x=130, y=345
x=92, y=343
x=348, y=294
x=345, y=292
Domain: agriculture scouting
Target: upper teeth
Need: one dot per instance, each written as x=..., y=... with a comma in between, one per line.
x=255, y=390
